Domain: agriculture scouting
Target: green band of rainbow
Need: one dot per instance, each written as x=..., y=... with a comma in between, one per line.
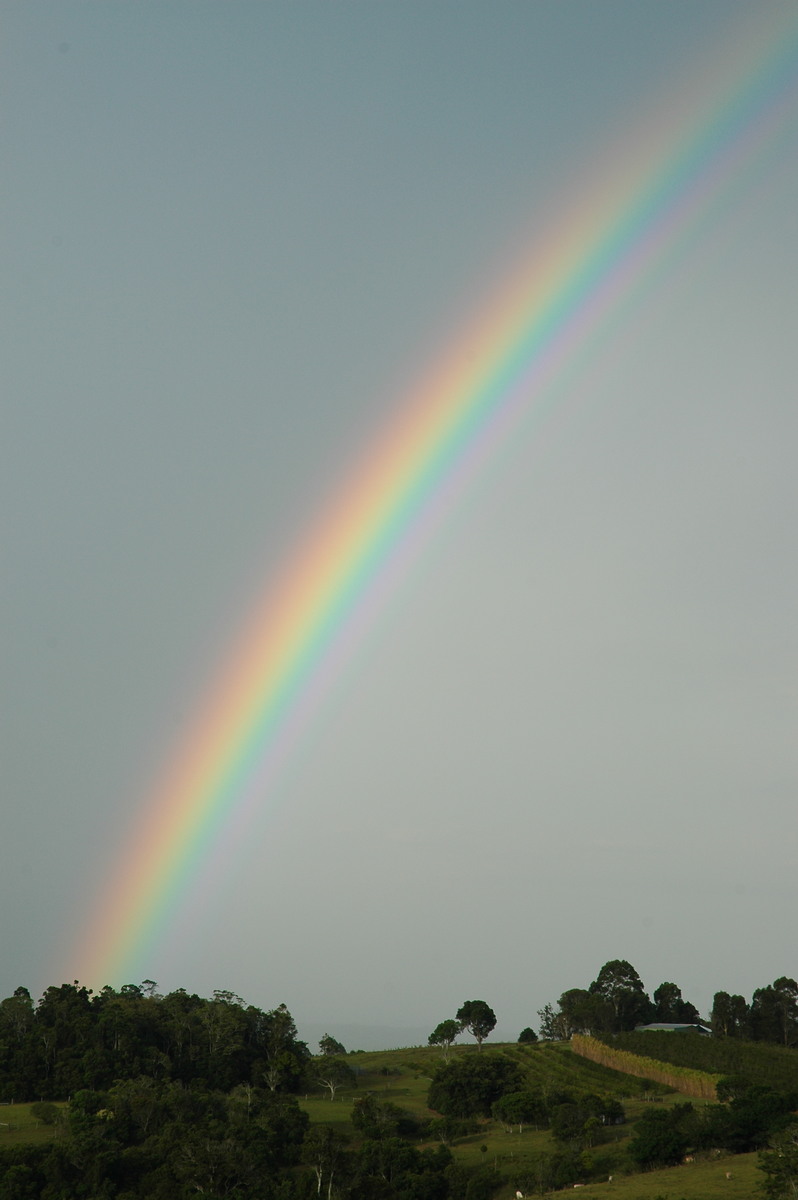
x=502, y=368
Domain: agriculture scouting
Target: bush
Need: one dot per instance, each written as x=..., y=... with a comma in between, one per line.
x=661, y=1137
x=44, y=1111
x=546, y=1172
x=470, y=1086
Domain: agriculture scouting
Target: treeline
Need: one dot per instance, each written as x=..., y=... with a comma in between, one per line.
x=616, y=1002
x=74, y=1040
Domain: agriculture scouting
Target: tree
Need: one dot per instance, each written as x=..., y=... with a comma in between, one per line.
x=468, y=1086
x=750, y=1117
x=553, y=1025
x=520, y=1108
x=547, y=1172
x=526, y=1036
x=443, y=1035
x=328, y=1045
x=731, y=1087
x=378, y=1120
x=583, y=1012
x=325, y=1150
x=780, y=1165
x=46, y=1112
x=285, y=1057
x=669, y=1005
x=729, y=1015
x=619, y=984
x=477, y=1018
x=660, y=1138
x=335, y=1073
x=774, y=1012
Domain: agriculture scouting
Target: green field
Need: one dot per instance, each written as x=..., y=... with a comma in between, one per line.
x=17, y=1124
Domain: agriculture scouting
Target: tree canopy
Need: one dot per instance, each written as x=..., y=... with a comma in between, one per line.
x=478, y=1018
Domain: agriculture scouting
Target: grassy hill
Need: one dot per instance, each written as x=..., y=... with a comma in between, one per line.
x=402, y=1077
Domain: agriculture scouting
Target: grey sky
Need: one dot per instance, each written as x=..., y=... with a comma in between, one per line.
x=231, y=233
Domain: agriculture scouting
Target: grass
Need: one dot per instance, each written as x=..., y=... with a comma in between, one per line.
x=692, y=1181
x=17, y=1124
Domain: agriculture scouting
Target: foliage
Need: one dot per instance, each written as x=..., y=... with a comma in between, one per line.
x=780, y=1165
x=469, y=1086
x=75, y=1040
x=527, y=1036
x=553, y=1024
x=380, y=1119
x=547, y=1172
x=625, y=1003
x=661, y=1137
x=580, y=1121
x=773, y=1016
x=447, y=1129
x=669, y=1005
x=47, y=1113
x=525, y=1107
x=478, y=1018
x=329, y=1046
x=729, y=1016
x=751, y=1116
x=444, y=1035
x=144, y=1140
x=334, y=1073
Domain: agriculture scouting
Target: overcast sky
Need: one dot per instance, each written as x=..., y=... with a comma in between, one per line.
x=231, y=234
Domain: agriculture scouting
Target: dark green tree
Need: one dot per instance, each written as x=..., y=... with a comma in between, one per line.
x=527, y=1036
x=619, y=984
x=730, y=1016
x=669, y=1005
x=779, y=1163
x=750, y=1118
x=444, y=1035
x=469, y=1086
x=285, y=1058
x=478, y=1018
x=661, y=1138
x=773, y=1016
x=582, y=1011
x=328, y=1045
x=522, y=1108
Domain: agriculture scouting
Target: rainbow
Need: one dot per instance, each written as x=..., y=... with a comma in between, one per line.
x=643, y=200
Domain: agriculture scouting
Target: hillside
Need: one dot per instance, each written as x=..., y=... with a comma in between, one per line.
x=402, y=1077
x=494, y=1159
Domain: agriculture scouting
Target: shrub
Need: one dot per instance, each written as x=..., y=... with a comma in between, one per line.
x=470, y=1086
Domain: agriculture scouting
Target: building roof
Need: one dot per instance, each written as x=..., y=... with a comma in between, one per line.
x=673, y=1027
